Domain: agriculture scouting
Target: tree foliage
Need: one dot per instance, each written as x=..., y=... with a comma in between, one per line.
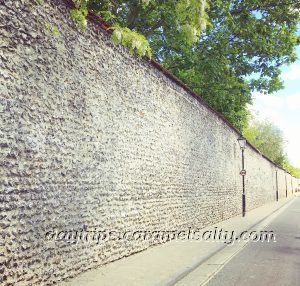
x=223, y=51
x=291, y=169
x=136, y=42
x=240, y=52
x=136, y=22
x=268, y=139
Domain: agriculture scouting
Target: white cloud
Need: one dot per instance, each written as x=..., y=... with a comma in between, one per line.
x=271, y=101
x=293, y=73
x=293, y=101
x=268, y=107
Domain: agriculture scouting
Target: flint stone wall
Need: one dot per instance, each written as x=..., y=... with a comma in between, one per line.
x=92, y=137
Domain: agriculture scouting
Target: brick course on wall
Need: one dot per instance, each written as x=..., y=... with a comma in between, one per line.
x=94, y=137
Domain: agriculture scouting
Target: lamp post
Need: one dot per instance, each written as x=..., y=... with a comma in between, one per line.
x=276, y=168
x=242, y=142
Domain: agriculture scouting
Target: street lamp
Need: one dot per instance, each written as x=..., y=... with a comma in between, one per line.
x=276, y=169
x=242, y=142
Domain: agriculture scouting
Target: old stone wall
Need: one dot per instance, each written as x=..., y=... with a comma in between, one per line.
x=93, y=138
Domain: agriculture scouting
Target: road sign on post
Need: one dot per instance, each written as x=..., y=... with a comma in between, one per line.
x=243, y=172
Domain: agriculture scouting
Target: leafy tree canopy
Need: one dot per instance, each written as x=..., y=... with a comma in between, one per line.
x=178, y=21
x=291, y=169
x=223, y=51
x=240, y=52
x=268, y=139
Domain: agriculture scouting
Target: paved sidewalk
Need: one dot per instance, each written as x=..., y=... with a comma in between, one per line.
x=175, y=263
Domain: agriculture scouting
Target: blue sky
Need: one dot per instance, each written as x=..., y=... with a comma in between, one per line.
x=283, y=109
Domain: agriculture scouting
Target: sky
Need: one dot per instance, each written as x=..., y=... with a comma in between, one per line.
x=283, y=109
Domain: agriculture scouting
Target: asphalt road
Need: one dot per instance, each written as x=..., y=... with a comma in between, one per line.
x=274, y=263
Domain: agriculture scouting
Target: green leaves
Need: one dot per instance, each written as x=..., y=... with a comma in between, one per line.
x=268, y=139
x=180, y=22
x=191, y=19
x=136, y=42
x=240, y=52
x=223, y=51
x=78, y=15
x=106, y=15
x=291, y=169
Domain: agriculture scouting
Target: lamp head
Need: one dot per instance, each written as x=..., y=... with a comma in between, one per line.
x=242, y=142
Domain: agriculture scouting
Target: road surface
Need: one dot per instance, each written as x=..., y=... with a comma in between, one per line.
x=275, y=263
